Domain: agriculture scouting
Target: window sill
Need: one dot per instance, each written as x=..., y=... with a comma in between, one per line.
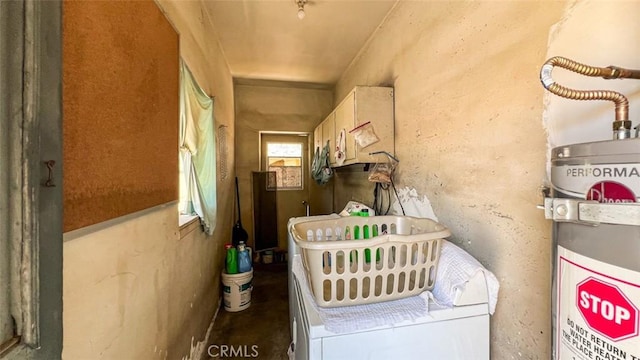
x=184, y=220
x=187, y=224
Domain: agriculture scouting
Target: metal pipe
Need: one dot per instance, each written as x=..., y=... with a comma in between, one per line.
x=386, y=153
x=622, y=125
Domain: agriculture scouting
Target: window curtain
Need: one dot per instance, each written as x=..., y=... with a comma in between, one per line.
x=197, y=150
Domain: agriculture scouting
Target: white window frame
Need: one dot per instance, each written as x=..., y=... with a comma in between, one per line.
x=302, y=163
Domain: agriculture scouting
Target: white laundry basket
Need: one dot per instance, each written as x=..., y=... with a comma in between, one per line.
x=361, y=260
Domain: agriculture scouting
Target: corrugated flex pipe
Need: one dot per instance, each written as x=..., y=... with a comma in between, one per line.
x=622, y=125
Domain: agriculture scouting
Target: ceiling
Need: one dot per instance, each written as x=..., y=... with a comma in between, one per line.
x=265, y=40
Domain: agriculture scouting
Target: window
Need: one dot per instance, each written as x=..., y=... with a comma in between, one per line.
x=198, y=175
x=186, y=212
x=285, y=159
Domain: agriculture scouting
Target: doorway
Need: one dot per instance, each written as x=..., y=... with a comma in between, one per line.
x=287, y=155
x=31, y=180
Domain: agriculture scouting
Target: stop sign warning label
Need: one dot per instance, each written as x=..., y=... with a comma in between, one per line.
x=606, y=309
x=598, y=315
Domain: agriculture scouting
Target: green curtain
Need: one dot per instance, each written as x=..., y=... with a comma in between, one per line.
x=197, y=149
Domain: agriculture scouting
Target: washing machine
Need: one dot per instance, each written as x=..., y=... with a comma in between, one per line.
x=460, y=331
x=294, y=250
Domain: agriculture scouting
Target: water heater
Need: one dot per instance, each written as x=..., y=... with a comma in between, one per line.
x=595, y=207
x=596, y=242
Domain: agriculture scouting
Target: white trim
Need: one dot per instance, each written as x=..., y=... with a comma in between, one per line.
x=271, y=132
x=74, y=234
x=184, y=220
x=202, y=351
x=299, y=133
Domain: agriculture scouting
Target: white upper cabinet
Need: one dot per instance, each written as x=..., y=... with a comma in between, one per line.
x=362, y=105
x=328, y=133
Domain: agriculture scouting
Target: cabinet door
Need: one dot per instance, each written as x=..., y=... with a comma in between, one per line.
x=345, y=119
x=317, y=139
x=328, y=134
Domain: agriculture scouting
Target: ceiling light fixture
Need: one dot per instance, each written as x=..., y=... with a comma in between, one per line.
x=301, y=13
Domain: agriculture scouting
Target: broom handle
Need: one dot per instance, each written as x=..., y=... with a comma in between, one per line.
x=238, y=198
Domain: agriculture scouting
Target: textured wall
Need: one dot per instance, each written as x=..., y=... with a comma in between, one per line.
x=273, y=108
x=120, y=82
x=137, y=289
x=207, y=63
x=120, y=290
x=469, y=136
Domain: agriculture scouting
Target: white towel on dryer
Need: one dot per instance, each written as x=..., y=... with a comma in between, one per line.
x=346, y=319
x=455, y=268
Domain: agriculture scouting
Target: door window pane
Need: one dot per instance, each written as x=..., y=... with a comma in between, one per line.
x=285, y=159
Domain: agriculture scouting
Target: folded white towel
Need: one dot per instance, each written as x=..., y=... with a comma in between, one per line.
x=455, y=268
x=361, y=317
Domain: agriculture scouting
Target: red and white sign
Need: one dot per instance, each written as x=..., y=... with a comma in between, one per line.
x=606, y=309
x=610, y=192
x=597, y=309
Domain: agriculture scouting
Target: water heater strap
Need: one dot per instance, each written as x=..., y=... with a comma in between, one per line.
x=619, y=214
x=592, y=212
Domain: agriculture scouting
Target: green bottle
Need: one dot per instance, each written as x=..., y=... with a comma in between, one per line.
x=232, y=260
x=356, y=236
x=367, y=252
x=375, y=233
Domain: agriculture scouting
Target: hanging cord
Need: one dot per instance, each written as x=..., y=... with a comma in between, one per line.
x=385, y=187
x=379, y=200
x=376, y=198
x=398, y=197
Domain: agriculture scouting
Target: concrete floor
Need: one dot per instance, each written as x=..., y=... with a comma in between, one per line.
x=263, y=328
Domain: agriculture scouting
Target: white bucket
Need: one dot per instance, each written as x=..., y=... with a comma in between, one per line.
x=267, y=257
x=236, y=289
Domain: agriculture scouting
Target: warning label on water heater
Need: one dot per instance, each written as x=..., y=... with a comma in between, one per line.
x=610, y=183
x=598, y=310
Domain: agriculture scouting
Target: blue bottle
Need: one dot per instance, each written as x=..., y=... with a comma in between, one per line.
x=244, y=261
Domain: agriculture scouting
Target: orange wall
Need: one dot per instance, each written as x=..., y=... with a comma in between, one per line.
x=120, y=103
